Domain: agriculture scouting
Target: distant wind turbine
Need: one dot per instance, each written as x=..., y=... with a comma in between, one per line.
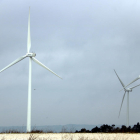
x=126, y=90
x=31, y=57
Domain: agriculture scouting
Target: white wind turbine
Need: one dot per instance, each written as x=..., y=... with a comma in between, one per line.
x=31, y=57
x=126, y=90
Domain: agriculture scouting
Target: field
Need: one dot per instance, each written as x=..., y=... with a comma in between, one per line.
x=70, y=136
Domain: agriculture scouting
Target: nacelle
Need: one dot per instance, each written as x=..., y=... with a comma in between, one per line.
x=31, y=54
x=129, y=89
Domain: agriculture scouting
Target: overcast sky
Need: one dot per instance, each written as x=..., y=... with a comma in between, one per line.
x=80, y=40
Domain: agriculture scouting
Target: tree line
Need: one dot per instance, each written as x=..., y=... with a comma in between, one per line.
x=112, y=129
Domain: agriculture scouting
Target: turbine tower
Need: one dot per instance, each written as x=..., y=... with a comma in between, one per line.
x=31, y=57
x=126, y=90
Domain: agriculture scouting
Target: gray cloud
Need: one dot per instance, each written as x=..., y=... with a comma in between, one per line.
x=82, y=41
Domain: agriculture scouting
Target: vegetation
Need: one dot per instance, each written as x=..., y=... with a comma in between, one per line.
x=112, y=129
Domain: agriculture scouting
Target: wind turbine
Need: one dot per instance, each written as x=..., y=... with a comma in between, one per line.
x=126, y=90
x=31, y=57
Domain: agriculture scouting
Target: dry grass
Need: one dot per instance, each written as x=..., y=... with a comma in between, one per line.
x=32, y=137
x=69, y=136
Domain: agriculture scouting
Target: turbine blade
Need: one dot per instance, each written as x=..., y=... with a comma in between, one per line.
x=121, y=104
x=121, y=89
x=119, y=79
x=135, y=86
x=29, y=34
x=131, y=82
x=14, y=62
x=35, y=60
